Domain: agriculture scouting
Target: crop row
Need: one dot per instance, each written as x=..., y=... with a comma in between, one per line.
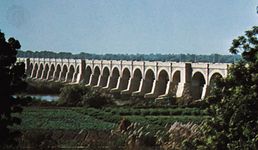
x=156, y=111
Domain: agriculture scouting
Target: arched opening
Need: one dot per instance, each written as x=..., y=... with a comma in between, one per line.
x=29, y=70
x=75, y=76
x=39, y=73
x=104, y=77
x=124, y=80
x=35, y=70
x=57, y=72
x=70, y=74
x=161, y=85
x=95, y=76
x=87, y=74
x=136, y=81
x=175, y=81
x=51, y=72
x=114, y=78
x=213, y=79
x=46, y=69
x=198, y=82
x=148, y=81
x=63, y=73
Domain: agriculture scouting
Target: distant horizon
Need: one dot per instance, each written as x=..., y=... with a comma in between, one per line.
x=132, y=53
x=128, y=26
x=78, y=52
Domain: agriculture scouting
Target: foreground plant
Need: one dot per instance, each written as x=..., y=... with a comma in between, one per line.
x=234, y=102
x=11, y=81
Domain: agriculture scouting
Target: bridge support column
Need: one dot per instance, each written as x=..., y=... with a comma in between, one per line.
x=50, y=74
x=94, y=79
x=74, y=78
x=33, y=72
x=116, y=86
x=57, y=74
x=133, y=86
x=112, y=82
x=38, y=75
x=122, y=84
x=44, y=73
x=128, y=89
x=140, y=91
x=108, y=83
x=154, y=90
x=81, y=72
x=168, y=90
x=205, y=91
x=180, y=89
x=90, y=80
x=100, y=81
x=66, y=76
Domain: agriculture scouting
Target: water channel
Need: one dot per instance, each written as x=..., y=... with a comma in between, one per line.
x=45, y=97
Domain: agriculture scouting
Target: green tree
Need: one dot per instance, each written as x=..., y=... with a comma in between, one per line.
x=234, y=101
x=11, y=82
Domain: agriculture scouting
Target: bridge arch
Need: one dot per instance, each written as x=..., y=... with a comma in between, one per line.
x=45, y=71
x=148, y=81
x=202, y=72
x=63, y=73
x=163, y=79
x=35, y=70
x=213, y=78
x=126, y=74
x=87, y=75
x=30, y=69
x=57, y=72
x=51, y=72
x=176, y=79
x=217, y=72
x=137, y=77
x=198, y=82
x=95, y=76
x=75, y=75
x=104, y=77
x=70, y=73
x=40, y=70
x=114, y=77
x=149, y=69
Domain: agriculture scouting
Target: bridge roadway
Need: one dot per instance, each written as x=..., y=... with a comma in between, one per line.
x=138, y=78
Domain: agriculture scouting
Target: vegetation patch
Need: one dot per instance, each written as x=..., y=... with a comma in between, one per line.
x=43, y=87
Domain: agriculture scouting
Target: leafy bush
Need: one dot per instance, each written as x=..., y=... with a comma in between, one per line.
x=43, y=87
x=72, y=95
x=94, y=99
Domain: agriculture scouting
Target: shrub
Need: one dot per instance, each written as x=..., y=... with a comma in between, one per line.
x=94, y=99
x=43, y=87
x=72, y=95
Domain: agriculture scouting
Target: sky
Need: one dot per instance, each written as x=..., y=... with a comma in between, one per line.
x=127, y=26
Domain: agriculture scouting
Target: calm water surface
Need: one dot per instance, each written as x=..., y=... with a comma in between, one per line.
x=46, y=97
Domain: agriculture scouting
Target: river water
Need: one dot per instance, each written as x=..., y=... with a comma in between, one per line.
x=45, y=97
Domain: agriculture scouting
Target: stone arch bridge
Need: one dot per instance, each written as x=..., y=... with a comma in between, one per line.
x=137, y=78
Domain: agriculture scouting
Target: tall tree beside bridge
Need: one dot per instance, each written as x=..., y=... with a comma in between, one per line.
x=11, y=82
x=234, y=101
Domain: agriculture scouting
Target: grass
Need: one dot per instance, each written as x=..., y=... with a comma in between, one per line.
x=60, y=118
x=77, y=118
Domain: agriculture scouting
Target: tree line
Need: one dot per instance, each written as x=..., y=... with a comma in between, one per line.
x=214, y=58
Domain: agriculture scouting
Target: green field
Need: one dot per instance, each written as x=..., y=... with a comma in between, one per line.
x=75, y=118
